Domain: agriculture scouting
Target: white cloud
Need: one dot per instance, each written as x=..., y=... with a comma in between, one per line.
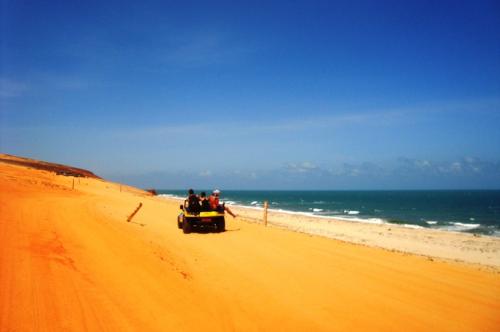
x=466, y=166
x=304, y=167
x=361, y=169
x=205, y=173
x=456, y=167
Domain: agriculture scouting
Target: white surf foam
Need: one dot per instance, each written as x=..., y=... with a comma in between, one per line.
x=412, y=226
x=170, y=196
x=363, y=220
x=459, y=227
x=470, y=226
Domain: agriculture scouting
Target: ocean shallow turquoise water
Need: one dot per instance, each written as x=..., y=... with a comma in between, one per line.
x=472, y=211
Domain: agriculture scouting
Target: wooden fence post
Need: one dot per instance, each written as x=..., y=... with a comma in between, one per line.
x=129, y=219
x=266, y=205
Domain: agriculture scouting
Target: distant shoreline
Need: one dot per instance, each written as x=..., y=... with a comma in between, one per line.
x=432, y=243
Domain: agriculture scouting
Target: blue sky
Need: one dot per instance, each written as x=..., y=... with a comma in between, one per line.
x=257, y=95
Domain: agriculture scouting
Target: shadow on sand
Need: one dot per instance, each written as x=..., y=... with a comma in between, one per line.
x=209, y=230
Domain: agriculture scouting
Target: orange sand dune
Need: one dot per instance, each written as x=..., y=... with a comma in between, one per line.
x=69, y=260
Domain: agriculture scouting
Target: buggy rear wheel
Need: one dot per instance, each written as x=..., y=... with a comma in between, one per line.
x=186, y=226
x=220, y=225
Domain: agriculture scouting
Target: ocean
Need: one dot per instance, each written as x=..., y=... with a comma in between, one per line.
x=471, y=211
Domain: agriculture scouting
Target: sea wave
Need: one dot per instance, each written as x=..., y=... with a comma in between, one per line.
x=412, y=226
x=363, y=220
x=328, y=217
x=466, y=225
x=458, y=226
x=169, y=196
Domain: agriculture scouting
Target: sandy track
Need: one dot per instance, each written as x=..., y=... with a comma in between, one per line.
x=70, y=261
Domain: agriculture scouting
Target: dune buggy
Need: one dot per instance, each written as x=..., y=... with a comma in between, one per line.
x=188, y=219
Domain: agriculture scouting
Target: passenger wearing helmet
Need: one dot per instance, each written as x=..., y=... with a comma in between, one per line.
x=215, y=203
